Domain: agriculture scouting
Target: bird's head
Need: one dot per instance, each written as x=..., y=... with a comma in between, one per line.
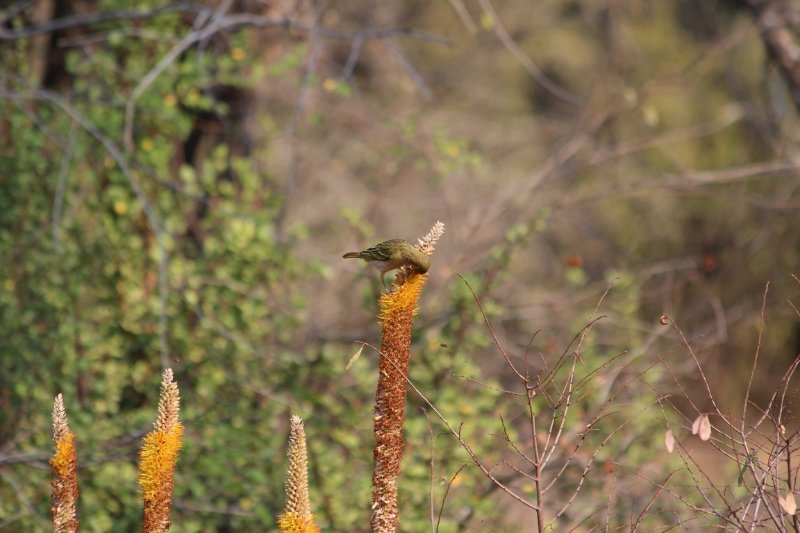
x=420, y=261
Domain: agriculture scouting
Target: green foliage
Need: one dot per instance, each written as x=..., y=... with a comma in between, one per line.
x=80, y=309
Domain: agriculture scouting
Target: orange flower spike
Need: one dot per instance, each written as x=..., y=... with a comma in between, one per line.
x=397, y=310
x=159, y=456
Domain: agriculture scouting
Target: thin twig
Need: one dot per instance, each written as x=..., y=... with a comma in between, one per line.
x=412, y=72
x=61, y=183
x=433, y=470
x=444, y=496
x=526, y=62
x=755, y=357
x=491, y=329
x=187, y=42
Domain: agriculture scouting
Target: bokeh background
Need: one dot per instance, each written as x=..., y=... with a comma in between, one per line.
x=178, y=182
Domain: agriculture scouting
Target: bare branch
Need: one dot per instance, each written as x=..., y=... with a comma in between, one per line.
x=93, y=18
x=526, y=62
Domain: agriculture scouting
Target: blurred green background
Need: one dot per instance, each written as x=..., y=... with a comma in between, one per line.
x=178, y=183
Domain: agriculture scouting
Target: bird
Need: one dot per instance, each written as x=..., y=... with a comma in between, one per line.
x=392, y=254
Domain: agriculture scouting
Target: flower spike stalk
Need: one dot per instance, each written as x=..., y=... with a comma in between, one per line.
x=397, y=310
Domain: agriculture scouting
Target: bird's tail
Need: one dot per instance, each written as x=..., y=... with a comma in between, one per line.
x=352, y=255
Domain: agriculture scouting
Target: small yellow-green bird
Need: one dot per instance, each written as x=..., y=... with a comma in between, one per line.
x=391, y=254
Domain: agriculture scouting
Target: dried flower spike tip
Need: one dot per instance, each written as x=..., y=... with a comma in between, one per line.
x=64, y=465
x=169, y=402
x=297, y=517
x=425, y=244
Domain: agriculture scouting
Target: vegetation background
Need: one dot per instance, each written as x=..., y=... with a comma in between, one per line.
x=179, y=181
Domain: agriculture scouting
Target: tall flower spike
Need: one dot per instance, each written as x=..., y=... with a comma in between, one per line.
x=158, y=458
x=397, y=310
x=64, y=466
x=297, y=517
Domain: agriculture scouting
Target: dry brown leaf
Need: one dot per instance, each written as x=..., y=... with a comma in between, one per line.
x=705, y=428
x=788, y=504
x=696, y=424
x=669, y=441
x=353, y=359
